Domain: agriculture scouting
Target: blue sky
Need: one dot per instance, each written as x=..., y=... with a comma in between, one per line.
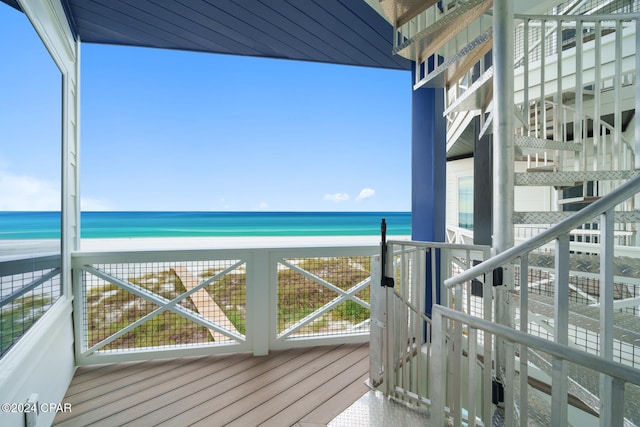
x=168, y=130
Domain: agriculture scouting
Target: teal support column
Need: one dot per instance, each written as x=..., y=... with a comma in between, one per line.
x=428, y=172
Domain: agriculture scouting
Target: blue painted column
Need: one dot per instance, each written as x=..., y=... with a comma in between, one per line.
x=428, y=172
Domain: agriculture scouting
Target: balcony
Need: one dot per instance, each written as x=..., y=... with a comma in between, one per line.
x=251, y=335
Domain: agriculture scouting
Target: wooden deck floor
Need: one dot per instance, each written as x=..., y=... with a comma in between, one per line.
x=301, y=387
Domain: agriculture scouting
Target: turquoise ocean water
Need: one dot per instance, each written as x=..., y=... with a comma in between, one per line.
x=46, y=225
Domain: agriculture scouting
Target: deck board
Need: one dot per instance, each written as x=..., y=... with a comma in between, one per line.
x=274, y=397
x=322, y=396
x=304, y=385
x=92, y=389
x=199, y=404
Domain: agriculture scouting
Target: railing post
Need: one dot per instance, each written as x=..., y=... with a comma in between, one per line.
x=389, y=342
x=580, y=161
x=617, y=89
x=378, y=324
x=617, y=403
x=509, y=386
x=79, y=302
x=636, y=165
x=597, y=85
x=473, y=362
x=561, y=328
x=262, y=301
x=438, y=376
x=606, y=312
x=524, y=351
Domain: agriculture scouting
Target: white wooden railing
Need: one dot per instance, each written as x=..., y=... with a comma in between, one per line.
x=152, y=304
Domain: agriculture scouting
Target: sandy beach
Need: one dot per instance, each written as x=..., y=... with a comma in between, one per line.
x=12, y=248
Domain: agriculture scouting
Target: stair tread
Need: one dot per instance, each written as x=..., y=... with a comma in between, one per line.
x=447, y=72
x=399, y=12
x=545, y=168
x=546, y=217
x=476, y=96
x=580, y=199
x=569, y=178
x=525, y=141
x=436, y=35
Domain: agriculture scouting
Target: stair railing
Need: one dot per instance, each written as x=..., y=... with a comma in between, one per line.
x=611, y=386
x=596, y=153
x=576, y=85
x=400, y=335
x=569, y=58
x=444, y=318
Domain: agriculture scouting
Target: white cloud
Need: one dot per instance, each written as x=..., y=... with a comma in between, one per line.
x=365, y=193
x=27, y=193
x=225, y=206
x=337, y=197
x=263, y=205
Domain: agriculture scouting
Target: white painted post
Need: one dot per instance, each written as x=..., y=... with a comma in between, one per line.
x=597, y=86
x=509, y=387
x=438, y=376
x=378, y=324
x=79, y=324
x=561, y=327
x=262, y=301
x=473, y=362
x=637, y=101
x=389, y=342
x=636, y=165
x=487, y=373
x=618, y=146
x=455, y=359
x=524, y=327
x=580, y=161
x=420, y=279
x=617, y=403
x=606, y=313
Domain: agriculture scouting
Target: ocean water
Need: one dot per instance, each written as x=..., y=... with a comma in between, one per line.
x=46, y=225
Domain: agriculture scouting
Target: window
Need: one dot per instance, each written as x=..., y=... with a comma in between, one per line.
x=30, y=177
x=465, y=202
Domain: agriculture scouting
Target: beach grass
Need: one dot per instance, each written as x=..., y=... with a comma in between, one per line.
x=19, y=316
x=111, y=308
x=300, y=295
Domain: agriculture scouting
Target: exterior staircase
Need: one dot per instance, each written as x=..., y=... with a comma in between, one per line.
x=575, y=136
x=572, y=132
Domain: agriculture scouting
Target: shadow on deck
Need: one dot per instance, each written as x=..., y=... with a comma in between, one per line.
x=302, y=387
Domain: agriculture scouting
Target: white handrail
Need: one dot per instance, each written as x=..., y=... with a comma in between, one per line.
x=587, y=18
x=437, y=245
x=619, y=195
x=591, y=361
x=619, y=374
